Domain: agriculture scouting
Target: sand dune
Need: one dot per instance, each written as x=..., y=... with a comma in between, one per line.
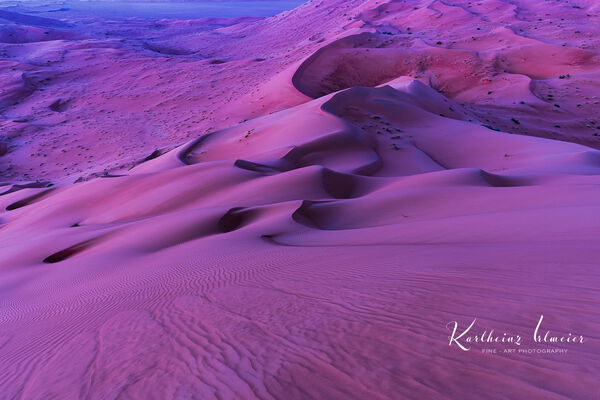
x=294, y=207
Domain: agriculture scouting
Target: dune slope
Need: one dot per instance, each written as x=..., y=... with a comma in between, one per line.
x=315, y=234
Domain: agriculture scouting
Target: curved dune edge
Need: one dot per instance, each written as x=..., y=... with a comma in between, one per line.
x=372, y=59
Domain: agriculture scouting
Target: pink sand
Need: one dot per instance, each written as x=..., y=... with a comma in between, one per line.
x=353, y=176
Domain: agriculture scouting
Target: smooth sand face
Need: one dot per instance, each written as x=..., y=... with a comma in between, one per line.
x=354, y=175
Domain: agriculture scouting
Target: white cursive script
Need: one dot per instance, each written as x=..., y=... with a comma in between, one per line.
x=485, y=337
x=549, y=338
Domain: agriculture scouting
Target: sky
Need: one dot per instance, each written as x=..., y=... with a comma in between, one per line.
x=152, y=9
